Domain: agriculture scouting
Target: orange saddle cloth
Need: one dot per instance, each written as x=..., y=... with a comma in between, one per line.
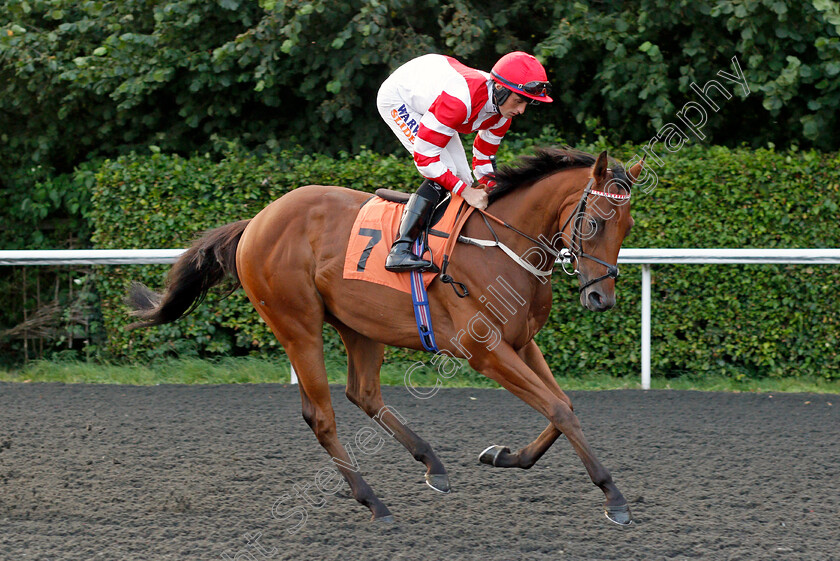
x=375, y=229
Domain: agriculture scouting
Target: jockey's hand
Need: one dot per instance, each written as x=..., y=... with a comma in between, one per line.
x=475, y=197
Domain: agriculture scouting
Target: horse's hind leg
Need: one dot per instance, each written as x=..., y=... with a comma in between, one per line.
x=526, y=457
x=300, y=335
x=364, y=359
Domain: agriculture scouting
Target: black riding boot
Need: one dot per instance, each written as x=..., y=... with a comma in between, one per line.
x=418, y=209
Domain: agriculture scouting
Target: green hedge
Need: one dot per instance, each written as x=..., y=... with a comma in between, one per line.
x=742, y=321
x=51, y=213
x=165, y=201
x=84, y=79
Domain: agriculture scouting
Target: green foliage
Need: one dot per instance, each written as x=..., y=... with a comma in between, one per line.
x=167, y=201
x=81, y=81
x=52, y=213
x=92, y=77
x=629, y=68
x=84, y=79
x=735, y=321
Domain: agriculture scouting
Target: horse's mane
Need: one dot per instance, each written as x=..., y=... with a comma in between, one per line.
x=527, y=170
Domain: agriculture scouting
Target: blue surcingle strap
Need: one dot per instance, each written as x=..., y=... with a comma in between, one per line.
x=421, y=304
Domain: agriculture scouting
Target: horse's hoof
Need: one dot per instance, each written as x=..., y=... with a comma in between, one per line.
x=388, y=519
x=618, y=514
x=490, y=454
x=438, y=481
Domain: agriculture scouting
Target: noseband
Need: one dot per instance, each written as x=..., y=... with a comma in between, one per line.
x=576, y=253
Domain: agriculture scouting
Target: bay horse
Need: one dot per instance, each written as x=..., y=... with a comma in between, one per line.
x=289, y=259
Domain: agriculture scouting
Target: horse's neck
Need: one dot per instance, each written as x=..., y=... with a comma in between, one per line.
x=536, y=210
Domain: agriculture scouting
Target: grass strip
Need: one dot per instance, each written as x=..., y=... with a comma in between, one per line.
x=261, y=371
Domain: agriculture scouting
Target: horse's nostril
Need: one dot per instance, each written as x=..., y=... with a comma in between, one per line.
x=596, y=300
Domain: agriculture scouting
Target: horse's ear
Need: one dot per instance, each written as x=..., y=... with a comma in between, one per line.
x=599, y=170
x=635, y=170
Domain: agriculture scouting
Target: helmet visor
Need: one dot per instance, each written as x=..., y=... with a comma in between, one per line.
x=538, y=91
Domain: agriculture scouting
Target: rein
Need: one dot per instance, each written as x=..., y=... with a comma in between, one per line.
x=567, y=254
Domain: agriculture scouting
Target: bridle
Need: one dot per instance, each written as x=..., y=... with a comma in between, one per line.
x=576, y=253
x=568, y=255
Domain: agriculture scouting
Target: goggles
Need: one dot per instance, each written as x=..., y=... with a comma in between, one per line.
x=535, y=88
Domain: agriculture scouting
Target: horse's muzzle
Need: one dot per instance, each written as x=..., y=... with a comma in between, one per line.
x=596, y=301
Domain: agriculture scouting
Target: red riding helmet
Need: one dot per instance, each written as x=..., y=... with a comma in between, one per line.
x=521, y=73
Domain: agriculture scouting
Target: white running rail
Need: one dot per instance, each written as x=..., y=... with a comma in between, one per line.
x=638, y=256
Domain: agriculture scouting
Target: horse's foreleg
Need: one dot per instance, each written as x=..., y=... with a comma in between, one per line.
x=508, y=369
x=364, y=360
x=526, y=457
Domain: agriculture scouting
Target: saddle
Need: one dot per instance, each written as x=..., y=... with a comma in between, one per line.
x=401, y=198
x=375, y=228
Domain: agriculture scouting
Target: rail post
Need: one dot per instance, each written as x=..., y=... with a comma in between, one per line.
x=645, y=327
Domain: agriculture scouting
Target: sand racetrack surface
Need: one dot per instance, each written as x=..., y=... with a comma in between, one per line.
x=185, y=472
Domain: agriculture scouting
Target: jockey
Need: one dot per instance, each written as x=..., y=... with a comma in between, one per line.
x=429, y=100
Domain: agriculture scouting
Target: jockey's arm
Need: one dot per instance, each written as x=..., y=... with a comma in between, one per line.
x=486, y=144
x=437, y=127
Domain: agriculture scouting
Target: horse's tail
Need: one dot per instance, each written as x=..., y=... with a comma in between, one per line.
x=210, y=260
